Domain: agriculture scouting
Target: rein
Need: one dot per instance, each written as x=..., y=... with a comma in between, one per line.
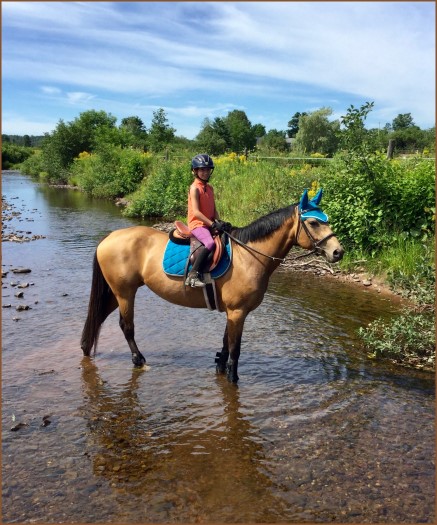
x=253, y=249
x=316, y=244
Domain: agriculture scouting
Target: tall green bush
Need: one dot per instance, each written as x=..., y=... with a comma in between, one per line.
x=113, y=172
x=34, y=165
x=163, y=193
x=371, y=200
x=12, y=154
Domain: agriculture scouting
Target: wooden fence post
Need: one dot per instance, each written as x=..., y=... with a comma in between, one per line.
x=391, y=148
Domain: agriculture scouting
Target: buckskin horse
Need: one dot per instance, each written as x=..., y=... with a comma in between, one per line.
x=132, y=257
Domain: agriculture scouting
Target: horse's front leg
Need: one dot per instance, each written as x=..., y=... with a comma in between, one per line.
x=222, y=357
x=234, y=328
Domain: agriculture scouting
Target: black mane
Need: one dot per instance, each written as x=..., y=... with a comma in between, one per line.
x=264, y=226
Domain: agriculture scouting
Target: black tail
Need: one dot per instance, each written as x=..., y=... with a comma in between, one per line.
x=97, y=309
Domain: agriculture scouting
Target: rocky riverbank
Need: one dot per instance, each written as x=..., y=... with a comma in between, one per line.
x=10, y=212
x=11, y=234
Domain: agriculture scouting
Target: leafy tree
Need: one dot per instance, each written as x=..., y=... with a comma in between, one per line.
x=377, y=139
x=213, y=137
x=233, y=132
x=23, y=140
x=240, y=130
x=134, y=132
x=316, y=133
x=429, y=136
x=273, y=141
x=402, y=121
x=65, y=143
x=161, y=133
x=219, y=126
x=293, y=124
x=88, y=124
x=353, y=138
x=59, y=149
x=410, y=138
x=258, y=130
x=133, y=124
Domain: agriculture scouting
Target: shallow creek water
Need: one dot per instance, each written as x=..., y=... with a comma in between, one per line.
x=315, y=431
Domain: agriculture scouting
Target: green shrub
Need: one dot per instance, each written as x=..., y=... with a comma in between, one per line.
x=411, y=270
x=113, y=172
x=372, y=200
x=398, y=340
x=33, y=165
x=12, y=155
x=163, y=194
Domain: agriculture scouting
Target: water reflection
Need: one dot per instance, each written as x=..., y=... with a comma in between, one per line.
x=193, y=465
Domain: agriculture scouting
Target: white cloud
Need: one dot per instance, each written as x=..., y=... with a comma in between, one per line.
x=18, y=125
x=78, y=97
x=50, y=90
x=257, y=54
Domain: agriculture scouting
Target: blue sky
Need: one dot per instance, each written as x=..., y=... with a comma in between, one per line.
x=204, y=59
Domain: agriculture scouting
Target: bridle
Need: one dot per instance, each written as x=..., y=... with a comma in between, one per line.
x=316, y=243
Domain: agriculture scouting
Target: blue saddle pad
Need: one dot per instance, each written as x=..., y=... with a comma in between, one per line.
x=176, y=255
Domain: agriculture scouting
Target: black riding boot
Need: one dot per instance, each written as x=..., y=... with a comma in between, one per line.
x=194, y=277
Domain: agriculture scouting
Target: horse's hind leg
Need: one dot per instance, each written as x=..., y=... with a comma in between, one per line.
x=127, y=325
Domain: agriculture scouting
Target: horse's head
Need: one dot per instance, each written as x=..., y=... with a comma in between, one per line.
x=314, y=232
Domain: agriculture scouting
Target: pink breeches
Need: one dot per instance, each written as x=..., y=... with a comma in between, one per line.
x=204, y=236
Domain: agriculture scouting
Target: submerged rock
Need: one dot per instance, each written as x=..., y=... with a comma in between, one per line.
x=22, y=307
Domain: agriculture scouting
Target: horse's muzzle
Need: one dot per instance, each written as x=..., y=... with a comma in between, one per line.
x=337, y=255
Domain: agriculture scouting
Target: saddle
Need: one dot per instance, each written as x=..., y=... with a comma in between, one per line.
x=181, y=234
x=180, y=252
x=179, y=255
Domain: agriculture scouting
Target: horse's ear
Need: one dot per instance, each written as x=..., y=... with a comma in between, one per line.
x=303, y=204
x=316, y=200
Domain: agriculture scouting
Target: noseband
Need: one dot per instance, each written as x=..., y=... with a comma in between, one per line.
x=316, y=243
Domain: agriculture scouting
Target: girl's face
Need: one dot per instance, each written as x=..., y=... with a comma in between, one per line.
x=203, y=173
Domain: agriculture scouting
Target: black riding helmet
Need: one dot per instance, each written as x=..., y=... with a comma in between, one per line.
x=202, y=161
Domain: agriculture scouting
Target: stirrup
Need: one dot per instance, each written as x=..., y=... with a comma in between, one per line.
x=194, y=281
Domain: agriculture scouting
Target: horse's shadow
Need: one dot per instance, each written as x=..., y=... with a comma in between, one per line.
x=176, y=469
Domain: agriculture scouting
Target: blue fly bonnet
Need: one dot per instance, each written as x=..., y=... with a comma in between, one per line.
x=309, y=209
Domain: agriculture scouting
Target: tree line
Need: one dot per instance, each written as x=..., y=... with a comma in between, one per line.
x=307, y=133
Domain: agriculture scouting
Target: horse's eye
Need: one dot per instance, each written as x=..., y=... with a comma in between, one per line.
x=314, y=224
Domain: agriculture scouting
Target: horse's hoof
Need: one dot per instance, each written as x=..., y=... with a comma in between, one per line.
x=86, y=351
x=220, y=364
x=138, y=361
x=220, y=369
x=231, y=374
